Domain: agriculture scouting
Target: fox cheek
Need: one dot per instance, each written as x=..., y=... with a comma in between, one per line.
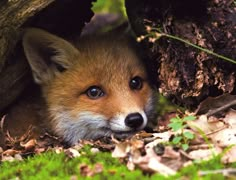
x=85, y=125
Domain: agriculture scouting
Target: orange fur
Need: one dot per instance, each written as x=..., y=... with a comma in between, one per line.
x=107, y=63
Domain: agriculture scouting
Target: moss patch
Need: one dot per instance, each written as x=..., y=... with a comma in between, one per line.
x=59, y=166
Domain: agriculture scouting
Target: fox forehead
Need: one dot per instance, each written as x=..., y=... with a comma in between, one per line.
x=104, y=55
x=106, y=64
x=109, y=66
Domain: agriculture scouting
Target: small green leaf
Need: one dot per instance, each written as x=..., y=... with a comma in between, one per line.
x=189, y=118
x=176, y=139
x=185, y=147
x=175, y=119
x=175, y=126
x=188, y=135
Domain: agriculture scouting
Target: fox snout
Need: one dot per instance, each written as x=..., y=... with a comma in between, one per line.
x=129, y=122
x=134, y=121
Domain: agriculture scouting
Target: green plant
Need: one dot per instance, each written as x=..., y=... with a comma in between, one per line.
x=115, y=6
x=183, y=137
x=155, y=34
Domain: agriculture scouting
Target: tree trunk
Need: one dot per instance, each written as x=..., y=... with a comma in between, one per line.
x=12, y=15
x=181, y=72
x=64, y=18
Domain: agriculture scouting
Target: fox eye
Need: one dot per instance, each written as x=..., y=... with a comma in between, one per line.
x=94, y=92
x=136, y=83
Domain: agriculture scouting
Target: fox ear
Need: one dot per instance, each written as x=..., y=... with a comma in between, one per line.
x=47, y=54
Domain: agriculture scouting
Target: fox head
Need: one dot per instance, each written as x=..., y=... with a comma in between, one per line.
x=95, y=90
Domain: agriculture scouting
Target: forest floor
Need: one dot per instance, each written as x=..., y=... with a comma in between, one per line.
x=183, y=145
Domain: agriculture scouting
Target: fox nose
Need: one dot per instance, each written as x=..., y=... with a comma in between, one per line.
x=134, y=120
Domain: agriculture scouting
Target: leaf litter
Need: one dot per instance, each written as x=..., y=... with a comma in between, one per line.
x=214, y=131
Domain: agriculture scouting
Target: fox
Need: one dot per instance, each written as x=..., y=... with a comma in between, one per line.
x=93, y=88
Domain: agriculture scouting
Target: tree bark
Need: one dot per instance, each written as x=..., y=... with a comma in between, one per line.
x=64, y=18
x=13, y=14
x=181, y=72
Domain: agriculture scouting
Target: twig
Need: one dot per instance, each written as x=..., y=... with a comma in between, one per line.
x=225, y=172
x=200, y=146
x=200, y=48
x=2, y=123
x=158, y=33
x=212, y=112
x=216, y=131
x=185, y=154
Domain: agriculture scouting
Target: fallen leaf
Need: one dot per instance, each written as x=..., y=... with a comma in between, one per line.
x=229, y=156
x=230, y=172
x=230, y=118
x=94, y=150
x=121, y=150
x=225, y=137
x=215, y=105
x=10, y=152
x=98, y=168
x=171, y=153
x=8, y=158
x=87, y=171
x=206, y=126
x=29, y=145
x=204, y=154
x=72, y=153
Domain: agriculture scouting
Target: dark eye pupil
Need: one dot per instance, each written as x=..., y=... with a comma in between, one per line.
x=136, y=83
x=94, y=92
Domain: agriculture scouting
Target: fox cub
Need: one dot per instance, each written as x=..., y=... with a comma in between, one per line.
x=94, y=89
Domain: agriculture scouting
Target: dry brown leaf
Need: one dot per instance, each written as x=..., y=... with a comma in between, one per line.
x=230, y=118
x=18, y=157
x=215, y=105
x=205, y=125
x=58, y=149
x=98, y=168
x=229, y=156
x=40, y=150
x=221, y=132
x=230, y=172
x=87, y=171
x=160, y=167
x=94, y=150
x=72, y=153
x=29, y=145
x=130, y=165
x=152, y=163
x=171, y=153
x=160, y=138
x=10, y=152
x=121, y=150
x=8, y=158
x=204, y=154
x=225, y=137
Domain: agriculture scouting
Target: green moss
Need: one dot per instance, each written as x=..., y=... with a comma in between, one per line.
x=58, y=166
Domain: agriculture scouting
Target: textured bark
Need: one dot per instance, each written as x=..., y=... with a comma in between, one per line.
x=64, y=18
x=181, y=72
x=13, y=14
